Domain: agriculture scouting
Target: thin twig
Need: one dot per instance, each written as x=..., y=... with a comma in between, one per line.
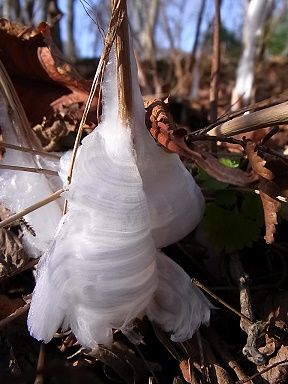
x=263, y=371
x=29, y=150
x=231, y=140
x=28, y=169
x=40, y=365
x=32, y=208
x=19, y=311
x=200, y=285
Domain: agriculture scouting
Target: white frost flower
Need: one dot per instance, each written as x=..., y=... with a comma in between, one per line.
x=127, y=199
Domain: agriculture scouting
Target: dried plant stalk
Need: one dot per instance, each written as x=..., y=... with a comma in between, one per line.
x=123, y=64
x=29, y=169
x=29, y=150
x=32, y=208
x=268, y=117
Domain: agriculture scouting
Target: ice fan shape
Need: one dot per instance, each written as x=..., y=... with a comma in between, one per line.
x=19, y=190
x=127, y=199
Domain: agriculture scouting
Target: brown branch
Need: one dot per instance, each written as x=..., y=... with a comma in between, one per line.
x=255, y=330
x=215, y=65
x=197, y=35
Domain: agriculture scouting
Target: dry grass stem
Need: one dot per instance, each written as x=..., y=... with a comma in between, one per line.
x=28, y=169
x=124, y=78
x=268, y=117
x=32, y=208
x=217, y=298
x=29, y=150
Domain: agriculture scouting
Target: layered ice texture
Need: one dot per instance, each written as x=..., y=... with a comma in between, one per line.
x=128, y=198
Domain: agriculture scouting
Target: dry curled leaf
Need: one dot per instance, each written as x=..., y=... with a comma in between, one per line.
x=268, y=189
x=123, y=360
x=210, y=369
x=47, y=85
x=164, y=131
x=274, y=309
x=188, y=372
x=12, y=255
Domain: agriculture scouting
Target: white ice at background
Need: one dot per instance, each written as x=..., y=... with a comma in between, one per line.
x=254, y=20
x=19, y=190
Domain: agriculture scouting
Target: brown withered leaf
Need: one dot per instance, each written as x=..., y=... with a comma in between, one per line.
x=46, y=84
x=188, y=372
x=164, y=131
x=12, y=255
x=257, y=162
x=274, y=310
x=124, y=361
x=270, y=206
x=268, y=189
x=210, y=368
x=55, y=131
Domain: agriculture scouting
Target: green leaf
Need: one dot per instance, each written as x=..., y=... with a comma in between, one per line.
x=226, y=198
x=252, y=208
x=209, y=182
x=230, y=163
x=232, y=226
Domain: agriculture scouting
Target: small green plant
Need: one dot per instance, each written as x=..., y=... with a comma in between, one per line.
x=234, y=219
